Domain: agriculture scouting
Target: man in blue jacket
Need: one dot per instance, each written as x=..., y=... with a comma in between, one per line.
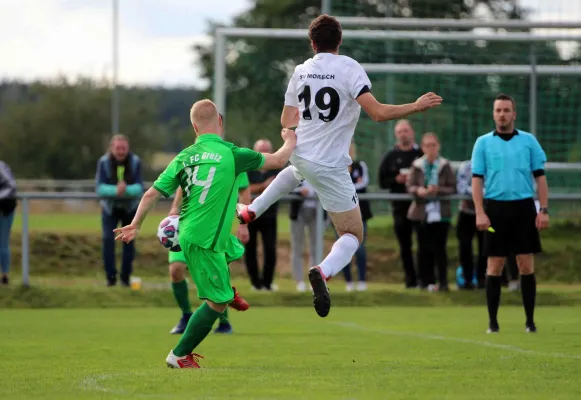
x=119, y=182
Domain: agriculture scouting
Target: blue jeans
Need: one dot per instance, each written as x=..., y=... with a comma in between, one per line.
x=5, y=227
x=360, y=259
x=110, y=222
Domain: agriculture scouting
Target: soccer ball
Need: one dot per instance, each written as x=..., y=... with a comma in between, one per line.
x=168, y=233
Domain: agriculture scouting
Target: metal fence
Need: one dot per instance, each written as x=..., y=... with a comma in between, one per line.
x=26, y=197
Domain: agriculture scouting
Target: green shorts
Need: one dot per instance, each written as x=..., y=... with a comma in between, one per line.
x=234, y=251
x=210, y=271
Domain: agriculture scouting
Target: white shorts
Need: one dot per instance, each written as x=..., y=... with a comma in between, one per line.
x=332, y=184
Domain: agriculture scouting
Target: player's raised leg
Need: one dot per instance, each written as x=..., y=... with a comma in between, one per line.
x=349, y=226
x=338, y=197
x=284, y=183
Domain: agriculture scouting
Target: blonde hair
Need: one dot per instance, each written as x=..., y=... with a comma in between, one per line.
x=203, y=112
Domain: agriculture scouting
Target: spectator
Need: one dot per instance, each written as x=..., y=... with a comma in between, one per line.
x=393, y=174
x=119, y=181
x=7, y=207
x=265, y=224
x=430, y=176
x=510, y=275
x=360, y=177
x=466, y=229
x=303, y=215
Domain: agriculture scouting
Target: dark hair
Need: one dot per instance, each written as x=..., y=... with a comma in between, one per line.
x=325, y=32
x=502, y=96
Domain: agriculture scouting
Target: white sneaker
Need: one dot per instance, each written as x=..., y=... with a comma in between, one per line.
x=432, y=288
x=513, y=286
x=301, y=287
x=189, y=361
x=273, y=288
x=361, y=286
x=350, y=287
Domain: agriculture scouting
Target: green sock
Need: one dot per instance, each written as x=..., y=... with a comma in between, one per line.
x=224, y=317
x=199, y=326
x=180, y=292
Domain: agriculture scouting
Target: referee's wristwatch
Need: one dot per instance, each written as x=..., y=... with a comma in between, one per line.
x=544, y=210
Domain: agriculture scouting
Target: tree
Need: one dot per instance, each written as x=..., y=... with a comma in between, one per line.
x=61, y=129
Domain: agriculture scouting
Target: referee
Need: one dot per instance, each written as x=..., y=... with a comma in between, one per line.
x=504, y=163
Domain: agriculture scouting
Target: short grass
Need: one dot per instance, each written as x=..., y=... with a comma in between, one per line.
x=290, y=353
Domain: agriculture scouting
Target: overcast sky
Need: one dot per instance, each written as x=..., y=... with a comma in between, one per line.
x=42, y=38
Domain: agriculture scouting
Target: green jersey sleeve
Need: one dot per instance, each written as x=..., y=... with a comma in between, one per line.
x=243, y=182
x=168, y=181
x=246, y=159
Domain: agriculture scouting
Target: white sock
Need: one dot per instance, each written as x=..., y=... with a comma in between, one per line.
x=341, y=254
x=284, y=183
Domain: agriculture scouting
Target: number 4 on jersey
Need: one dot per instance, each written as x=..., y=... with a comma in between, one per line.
x=193, y=180
x=320, y=101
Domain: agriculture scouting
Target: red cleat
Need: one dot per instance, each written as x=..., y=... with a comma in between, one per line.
x=245, y=216
x=189, y=361
x=239, y=303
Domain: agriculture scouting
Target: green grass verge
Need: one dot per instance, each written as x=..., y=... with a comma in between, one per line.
x=70, y=245
x=51, y=292
x=290, y=353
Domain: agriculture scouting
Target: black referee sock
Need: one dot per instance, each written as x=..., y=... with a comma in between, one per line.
x=493, y=298
x=528, y=287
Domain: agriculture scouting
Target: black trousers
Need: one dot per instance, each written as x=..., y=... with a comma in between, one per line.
x=110, y=222
x=465, y=231
x=403, y=231
x=267, y=228
x=432, y=241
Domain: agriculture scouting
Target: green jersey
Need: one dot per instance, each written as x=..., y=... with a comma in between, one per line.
x=207, y=172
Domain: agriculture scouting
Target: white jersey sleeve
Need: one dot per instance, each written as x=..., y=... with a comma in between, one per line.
x=358, y=80
x=290, y=97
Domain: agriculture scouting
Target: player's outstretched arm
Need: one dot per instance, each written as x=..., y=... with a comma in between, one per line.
x=279, y=159
x=385, y=112
x=148, y=201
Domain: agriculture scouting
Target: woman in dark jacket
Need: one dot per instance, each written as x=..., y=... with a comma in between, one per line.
x=7, y=207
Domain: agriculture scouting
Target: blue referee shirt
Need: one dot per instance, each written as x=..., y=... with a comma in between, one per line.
x=508, y=166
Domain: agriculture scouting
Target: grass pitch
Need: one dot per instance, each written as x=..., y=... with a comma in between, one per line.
x=290, y=353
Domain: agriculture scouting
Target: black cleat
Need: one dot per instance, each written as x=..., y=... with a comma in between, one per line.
x=531, y=328
x=493, y=328
x=321, y=296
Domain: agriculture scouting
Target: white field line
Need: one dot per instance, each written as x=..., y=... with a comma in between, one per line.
x=457, y=340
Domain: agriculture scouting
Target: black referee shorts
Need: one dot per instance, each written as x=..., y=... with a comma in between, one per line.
x=514, y=226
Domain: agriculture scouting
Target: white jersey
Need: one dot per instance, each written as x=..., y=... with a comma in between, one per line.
x=325, y=89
